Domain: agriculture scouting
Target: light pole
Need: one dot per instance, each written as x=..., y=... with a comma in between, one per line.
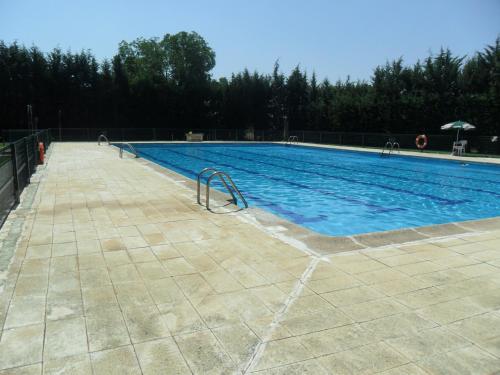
x=59, y=122
x=29, y=111
x=285, y=123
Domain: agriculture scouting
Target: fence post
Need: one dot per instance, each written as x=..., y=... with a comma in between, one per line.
x=36, y=156
x=320, y=137
x=154, y=134
x=27, y=158
x=13, y=156
x=362, y=139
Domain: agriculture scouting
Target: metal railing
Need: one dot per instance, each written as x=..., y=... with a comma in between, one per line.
x=18, y=161
x=480, y=144
x=222, y=177
x=130, y=147
x=102, y=136
x=389, y=146
x=292, y=139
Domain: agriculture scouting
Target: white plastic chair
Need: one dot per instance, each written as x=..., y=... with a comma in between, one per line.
x=459, y=147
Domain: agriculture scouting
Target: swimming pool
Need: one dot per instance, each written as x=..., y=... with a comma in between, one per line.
x=339, y=193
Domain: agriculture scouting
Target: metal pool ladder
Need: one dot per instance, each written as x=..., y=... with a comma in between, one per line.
x=131, y=148
x=99, y=139
x=292, y=139
x=389, y=146
x=223, y=176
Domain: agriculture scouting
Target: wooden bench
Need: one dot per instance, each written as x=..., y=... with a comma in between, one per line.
x=194, y=137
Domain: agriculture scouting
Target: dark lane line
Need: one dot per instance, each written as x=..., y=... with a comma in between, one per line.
x=372, y=173
x=443, y=201
x=373, y=207
x=344, y=152
x=296, y=218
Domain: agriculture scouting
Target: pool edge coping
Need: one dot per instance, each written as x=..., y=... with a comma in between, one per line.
x=322, y=244
x=417, y=154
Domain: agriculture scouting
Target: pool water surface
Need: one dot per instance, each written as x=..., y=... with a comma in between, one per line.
x=338, y=192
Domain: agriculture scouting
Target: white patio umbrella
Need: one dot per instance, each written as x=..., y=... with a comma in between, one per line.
x=459, y=125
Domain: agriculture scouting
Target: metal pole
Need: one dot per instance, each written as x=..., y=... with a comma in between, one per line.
x=14, y=171
x=36, y=156
x=286, y=130
x=29, y=113
x=59, y=116
x=27, y=158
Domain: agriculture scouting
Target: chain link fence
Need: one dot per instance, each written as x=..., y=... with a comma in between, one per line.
x=437, y=142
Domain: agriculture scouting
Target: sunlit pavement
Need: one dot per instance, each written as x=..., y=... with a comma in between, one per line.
x=117, y=270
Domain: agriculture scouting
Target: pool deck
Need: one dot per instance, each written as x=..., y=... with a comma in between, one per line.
x=109, y=266
x=418, y=154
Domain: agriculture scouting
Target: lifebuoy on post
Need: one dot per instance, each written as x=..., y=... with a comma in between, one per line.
x=41, y=152
x=421, y=141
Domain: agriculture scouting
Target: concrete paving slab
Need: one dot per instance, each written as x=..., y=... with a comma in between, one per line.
x=114, y=268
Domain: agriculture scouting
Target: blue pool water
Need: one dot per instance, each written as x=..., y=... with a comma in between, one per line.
x=337, y=192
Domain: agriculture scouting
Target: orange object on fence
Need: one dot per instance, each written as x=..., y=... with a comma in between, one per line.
x=421, y=141
x=41, y=152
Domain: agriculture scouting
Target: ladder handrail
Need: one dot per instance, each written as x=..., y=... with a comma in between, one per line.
x=198, y=184
x=389, y=146
x=386, y=148
x=291, y=139
x=198, y=181
x=221, y=176
x=130, y=147
x=99, y=139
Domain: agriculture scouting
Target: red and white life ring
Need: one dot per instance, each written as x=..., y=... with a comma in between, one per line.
x=421, y=141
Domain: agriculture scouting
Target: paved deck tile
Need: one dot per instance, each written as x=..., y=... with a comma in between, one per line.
x=119, y=271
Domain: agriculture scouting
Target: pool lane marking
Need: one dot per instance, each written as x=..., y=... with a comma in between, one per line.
x=369, y=155
x=251, y=220
x=375, y=208
x=443, y=201
x=278, y=317
x=375, y=155
x=336, y=166
x=298, y=218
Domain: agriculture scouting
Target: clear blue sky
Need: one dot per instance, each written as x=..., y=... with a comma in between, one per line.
x=335, y=38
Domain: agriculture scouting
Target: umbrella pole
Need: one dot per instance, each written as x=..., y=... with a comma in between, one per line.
x=453, y=147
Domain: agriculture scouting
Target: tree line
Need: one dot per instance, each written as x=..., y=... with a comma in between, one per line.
x=166, y=82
